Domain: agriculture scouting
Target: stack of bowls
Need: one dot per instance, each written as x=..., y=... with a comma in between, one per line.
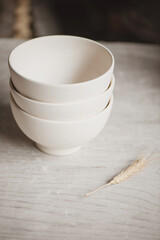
x=61, y=91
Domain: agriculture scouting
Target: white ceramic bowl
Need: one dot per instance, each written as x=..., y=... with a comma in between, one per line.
x=60, y=138
x=63, y=112
x=61, y=69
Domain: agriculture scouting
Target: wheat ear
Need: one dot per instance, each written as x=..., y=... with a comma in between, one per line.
x=124, y=175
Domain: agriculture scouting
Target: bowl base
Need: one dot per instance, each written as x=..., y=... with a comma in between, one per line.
x=57, y=152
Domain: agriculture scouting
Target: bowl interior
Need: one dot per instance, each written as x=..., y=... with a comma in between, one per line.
x=60, y=60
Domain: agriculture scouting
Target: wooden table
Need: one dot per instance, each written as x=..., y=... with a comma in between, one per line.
x=42, y=197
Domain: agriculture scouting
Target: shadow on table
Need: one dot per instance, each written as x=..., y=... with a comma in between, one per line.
x=9, y=131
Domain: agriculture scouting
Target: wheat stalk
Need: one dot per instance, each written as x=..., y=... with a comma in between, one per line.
x=124, y=175
x=23, y=20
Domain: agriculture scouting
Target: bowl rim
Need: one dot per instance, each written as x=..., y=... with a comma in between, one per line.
x=62, y=84
x=110, y=103
x=110, y=87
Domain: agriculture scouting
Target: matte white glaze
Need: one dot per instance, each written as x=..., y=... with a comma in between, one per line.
x=57, y=137
x=61, y=69
x=63, y=112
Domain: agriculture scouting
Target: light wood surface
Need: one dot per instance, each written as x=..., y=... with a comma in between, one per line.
x=42, y=197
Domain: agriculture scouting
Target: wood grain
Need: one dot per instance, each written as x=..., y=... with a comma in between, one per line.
x=42, y=197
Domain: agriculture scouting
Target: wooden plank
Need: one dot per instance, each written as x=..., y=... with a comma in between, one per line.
x=42, y=197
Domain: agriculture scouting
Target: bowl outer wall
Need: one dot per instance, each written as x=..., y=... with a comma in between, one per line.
x=63, y=112
x=60, y=135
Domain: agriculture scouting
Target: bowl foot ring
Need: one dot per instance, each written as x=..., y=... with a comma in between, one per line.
x=57, y=152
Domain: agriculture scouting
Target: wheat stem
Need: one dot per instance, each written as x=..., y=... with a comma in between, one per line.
x=97, y=189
